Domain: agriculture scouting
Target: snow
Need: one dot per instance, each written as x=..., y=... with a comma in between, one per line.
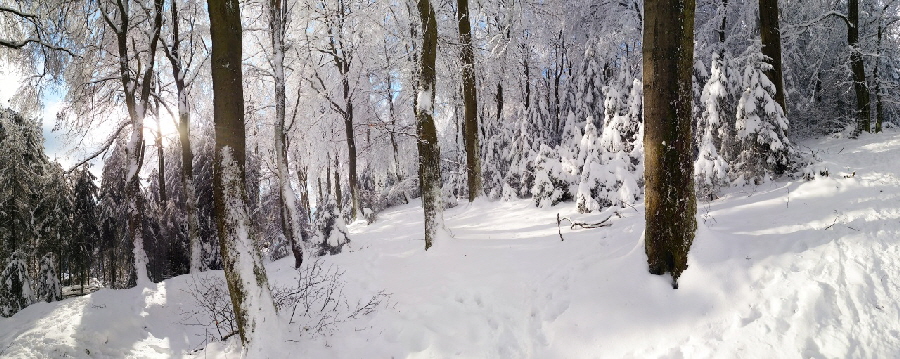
x=788, y=269
x=424, y=100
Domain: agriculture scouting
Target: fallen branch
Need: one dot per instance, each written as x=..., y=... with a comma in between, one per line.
x=581, y=225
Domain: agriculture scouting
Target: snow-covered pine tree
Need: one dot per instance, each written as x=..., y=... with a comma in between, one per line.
x=85, y=229
x=618, y=139
x=710, y=168
x=16, y=288
x=331, y=230
x=765, y=150
x=593, y=177
x=557, y=169
x=46, y=283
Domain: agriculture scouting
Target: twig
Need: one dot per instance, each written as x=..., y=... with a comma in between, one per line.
x=581, y=225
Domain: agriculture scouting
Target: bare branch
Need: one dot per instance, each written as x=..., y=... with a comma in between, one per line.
x=106, y=145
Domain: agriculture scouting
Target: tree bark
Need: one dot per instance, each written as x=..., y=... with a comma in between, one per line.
x=470, y=99
x=863, y=113
x=670, y=201
x=244, y=272
x=429, y=148
x=770, y=34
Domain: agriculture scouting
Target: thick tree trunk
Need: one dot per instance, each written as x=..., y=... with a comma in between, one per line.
x=470, y=99
x=292, y=230
x=670, y=202
x=429, y=148
x=770, y=34
x=244, y=271
x=863, y=113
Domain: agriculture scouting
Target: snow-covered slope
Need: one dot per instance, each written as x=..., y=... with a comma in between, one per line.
x=789, y=269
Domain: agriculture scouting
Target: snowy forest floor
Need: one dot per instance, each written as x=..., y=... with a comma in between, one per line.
x=787, y=269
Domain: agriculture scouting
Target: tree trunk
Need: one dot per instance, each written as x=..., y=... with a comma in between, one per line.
x=292, y=230
x=184, y=135
x=161, y=161
x=304, y=195
x=670, y=203
x=429, y=148
x=470, y=99
x=351, y=151
x=879, y=107
x=770, y=34
x=863, y=113
x=338, y=196
x=248, y=285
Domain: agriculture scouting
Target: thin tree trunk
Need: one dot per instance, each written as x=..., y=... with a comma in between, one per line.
x=184, y=136
x=429, y=148
x=351, y=151
x=470, y=99
x=338, y=196
x=304, y=195
x=770, y=34
x=879, y=107
x=863, y=113
x=161, y=161
x=244, y=272
x=670, y=201
x=292, y=230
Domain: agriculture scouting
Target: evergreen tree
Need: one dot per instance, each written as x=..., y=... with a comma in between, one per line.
x=710, y=168
x=761, y=127
x=85, y=230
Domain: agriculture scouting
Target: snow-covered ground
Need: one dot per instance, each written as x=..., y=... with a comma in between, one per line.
x=788, y=269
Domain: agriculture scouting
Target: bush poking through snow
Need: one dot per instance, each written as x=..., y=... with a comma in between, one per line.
x=316, y=302
x=214, y=310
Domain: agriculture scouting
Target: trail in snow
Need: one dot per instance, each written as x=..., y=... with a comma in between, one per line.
x=788, y=269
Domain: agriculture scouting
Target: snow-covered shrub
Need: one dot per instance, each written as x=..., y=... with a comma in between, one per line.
x=331, y=230
x=710, y=168
x=612, y=173
x=16, y=289
x=552, y=178
x=594, y=177
x=519, y=176
x=761, y=127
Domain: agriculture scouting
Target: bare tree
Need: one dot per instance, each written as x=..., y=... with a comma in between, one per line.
x=429, y=148
x=470, y=98
x=121, y=19
x=186, y=60
x=244, y=271
x=291, y=217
